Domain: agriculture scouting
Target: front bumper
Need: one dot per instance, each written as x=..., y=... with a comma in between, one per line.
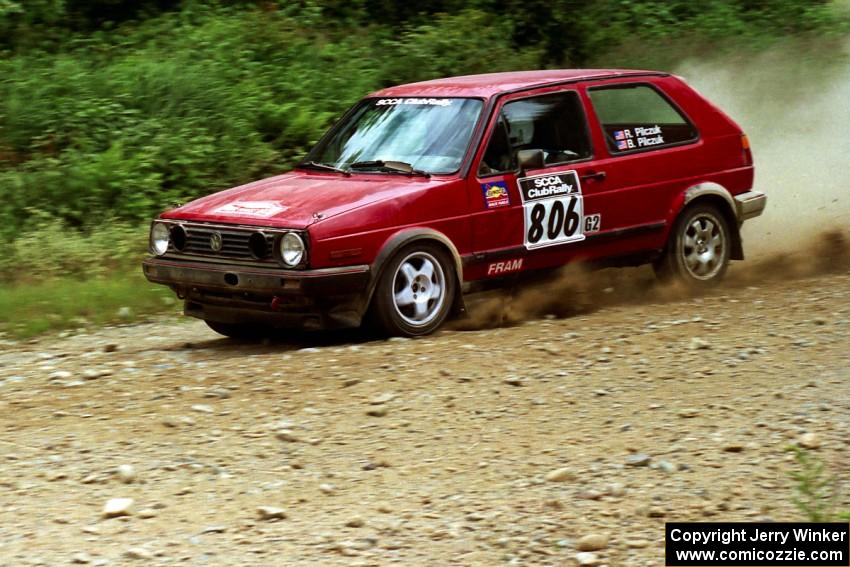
x=238, y=279
x=749, y=205
x=229, y=293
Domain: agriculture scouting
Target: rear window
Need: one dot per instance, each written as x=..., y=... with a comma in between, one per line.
x=638, y=117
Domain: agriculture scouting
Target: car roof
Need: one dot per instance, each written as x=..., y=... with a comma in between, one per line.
x=491, y=84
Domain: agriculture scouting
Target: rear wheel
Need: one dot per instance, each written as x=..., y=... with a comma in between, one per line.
x=699, y=247
x=240, y=331
x=416, y=291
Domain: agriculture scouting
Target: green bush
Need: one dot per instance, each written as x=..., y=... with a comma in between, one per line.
x=53, y=250
x=115, y=110
x=184, y=104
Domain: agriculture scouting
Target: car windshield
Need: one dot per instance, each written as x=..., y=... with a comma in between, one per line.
x=429, y=134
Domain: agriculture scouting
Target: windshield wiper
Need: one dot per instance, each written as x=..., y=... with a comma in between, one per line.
x=322, y=166
x=390, y=166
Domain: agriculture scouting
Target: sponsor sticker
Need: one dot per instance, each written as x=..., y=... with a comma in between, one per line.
x=506, y=267
x=257, y=209
x=495, y=194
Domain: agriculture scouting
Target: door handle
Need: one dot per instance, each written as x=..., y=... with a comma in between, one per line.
x=594, y=176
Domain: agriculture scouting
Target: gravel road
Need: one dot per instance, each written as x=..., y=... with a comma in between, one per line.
x=552, y=442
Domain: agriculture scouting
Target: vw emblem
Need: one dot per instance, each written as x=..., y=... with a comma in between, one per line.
x=215, y=241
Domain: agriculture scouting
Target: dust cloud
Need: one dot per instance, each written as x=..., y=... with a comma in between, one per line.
x=577, y=289
x=794, y=104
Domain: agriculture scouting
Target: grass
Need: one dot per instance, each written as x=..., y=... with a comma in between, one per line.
x=65, y=303
x=816, y=490
x=54, y=278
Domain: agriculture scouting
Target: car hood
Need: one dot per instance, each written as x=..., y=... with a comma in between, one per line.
x=297, y=199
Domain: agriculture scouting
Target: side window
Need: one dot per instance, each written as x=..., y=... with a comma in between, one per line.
x=554, y=123
x=638, y=117
x=498, y=157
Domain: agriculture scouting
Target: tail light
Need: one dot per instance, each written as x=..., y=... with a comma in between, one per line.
x=745, y=146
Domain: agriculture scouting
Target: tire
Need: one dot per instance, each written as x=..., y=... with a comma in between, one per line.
x=698, y=249
x=239, y=331
x=415, y=292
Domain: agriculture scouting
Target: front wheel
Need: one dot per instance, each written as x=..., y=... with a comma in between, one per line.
x=698, y=249
x=415, y=292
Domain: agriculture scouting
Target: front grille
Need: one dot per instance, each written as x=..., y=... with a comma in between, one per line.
x=235, y=243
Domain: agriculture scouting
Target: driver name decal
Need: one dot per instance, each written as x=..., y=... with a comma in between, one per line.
x=638, y=137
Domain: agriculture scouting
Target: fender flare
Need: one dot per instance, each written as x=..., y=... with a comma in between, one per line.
x=709, y=188
x=403, y=238
x=718, y=194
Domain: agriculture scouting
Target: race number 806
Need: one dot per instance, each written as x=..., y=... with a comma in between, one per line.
x=553, y=209
x=554, y=220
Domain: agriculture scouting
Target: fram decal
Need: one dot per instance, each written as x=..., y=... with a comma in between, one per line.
x=495, y=194
x=259, y=209
x=506, y=267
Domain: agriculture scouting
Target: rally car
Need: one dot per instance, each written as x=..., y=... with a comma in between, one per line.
x=423, y=192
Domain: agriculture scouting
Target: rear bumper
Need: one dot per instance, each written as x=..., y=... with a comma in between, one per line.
x=322, y=298
x=749, y=205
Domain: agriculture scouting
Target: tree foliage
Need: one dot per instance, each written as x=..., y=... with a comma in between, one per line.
x=119, y=108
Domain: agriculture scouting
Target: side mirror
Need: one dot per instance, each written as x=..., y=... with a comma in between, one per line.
x=530, y=159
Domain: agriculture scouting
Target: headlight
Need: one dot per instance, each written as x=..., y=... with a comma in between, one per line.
x=291, y=249
x=159, y=238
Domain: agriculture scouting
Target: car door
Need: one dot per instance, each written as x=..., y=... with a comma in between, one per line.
x=649, y=150
x=537, y=216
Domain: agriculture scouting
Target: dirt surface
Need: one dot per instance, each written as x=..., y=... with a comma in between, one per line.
x=489, y=447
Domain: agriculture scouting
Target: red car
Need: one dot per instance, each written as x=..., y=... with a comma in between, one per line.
x=423, y=192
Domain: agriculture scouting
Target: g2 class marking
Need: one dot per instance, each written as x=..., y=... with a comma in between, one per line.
x=592, y=223
x=553, y=209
